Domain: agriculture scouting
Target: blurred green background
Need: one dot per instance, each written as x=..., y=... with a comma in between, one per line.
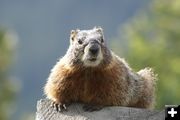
x=7, y=88
x=152, y=38
x=145, y=33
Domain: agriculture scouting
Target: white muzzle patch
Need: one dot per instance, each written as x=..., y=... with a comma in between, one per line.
x=91, y=63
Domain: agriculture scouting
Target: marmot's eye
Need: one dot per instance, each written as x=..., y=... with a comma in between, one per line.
x=102, y=40
x=80, y=41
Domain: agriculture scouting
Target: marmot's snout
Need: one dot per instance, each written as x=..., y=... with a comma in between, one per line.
x=92, y=53
x=94, y=48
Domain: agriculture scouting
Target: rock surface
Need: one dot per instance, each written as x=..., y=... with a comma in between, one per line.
x=75, y=112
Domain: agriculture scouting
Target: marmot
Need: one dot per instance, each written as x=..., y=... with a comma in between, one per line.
x=92, y=74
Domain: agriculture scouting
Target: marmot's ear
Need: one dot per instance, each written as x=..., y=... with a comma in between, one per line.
x=73, y=34
x=98, y=29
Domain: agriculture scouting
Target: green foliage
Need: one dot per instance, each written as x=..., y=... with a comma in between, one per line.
x=152, y=38
x=7, y=89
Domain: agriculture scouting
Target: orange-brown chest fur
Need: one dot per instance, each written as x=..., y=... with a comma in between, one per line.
x=90, y=85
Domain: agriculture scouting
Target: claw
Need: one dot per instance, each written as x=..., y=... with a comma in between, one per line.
x=52, y=104
x=59, y=107
x=64, y=106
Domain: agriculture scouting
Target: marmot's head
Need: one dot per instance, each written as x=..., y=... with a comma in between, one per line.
x=87, y=47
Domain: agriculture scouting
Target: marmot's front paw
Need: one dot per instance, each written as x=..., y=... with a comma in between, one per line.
x=59, y=107
x=91, y=108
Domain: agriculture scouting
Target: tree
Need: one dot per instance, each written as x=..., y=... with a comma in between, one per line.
x=7, y=88
x=152, y=38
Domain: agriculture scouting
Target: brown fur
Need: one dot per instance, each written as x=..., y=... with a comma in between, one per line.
x=112, y=82
x=112, y=85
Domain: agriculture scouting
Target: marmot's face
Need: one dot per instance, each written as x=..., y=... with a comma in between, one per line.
x=88, y=46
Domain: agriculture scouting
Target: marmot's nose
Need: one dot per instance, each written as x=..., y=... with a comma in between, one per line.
x=94, y=49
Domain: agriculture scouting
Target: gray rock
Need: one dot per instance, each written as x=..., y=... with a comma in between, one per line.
x=75, y=112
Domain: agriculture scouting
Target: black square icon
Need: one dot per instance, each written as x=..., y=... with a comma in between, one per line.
x=172, y=112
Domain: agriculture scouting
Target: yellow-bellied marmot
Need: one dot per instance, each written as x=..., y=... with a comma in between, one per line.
x=92, y=74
